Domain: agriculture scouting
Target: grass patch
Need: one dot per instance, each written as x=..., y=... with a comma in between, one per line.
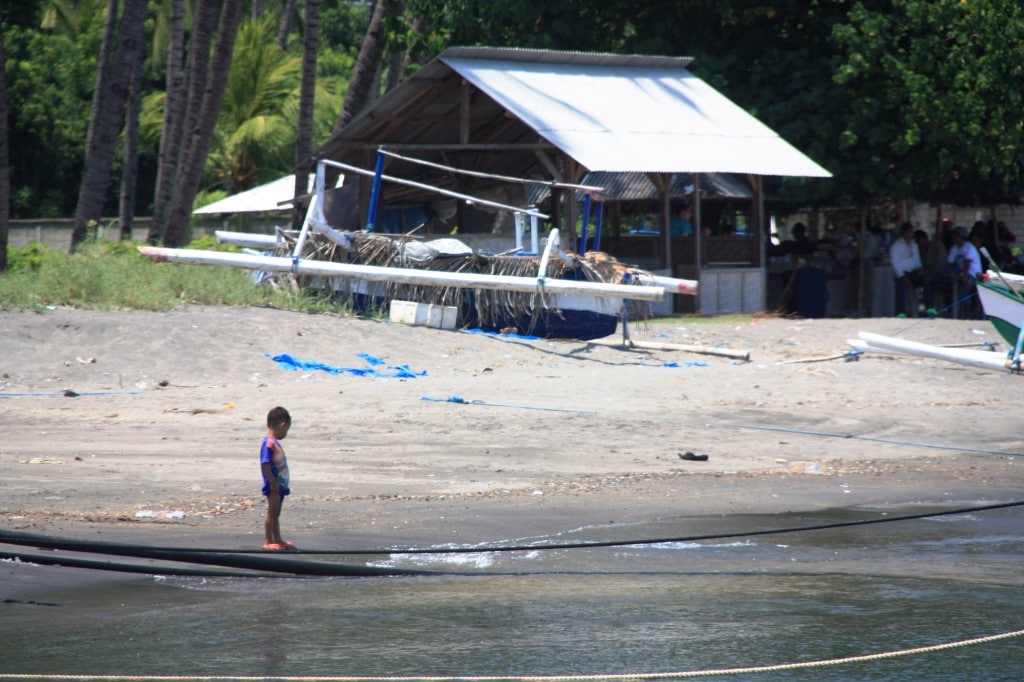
x=113, y=275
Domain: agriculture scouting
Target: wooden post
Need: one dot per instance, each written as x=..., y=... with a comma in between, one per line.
x=862, y=265
x=698, y=251
x=666, y=216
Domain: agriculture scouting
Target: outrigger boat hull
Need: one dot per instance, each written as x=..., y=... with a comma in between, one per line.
x=573, y=308
x=1003, y=308
x=572, y=299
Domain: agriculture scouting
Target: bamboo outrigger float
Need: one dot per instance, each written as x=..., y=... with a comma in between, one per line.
x=1003, y=303
x=555, y=294
x=373, y=273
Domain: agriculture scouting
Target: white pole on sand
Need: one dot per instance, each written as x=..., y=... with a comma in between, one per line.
x=373, y=273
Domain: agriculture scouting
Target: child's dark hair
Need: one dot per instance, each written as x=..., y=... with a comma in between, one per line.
x=278, y=415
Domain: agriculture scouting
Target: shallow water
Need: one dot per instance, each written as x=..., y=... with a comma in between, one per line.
x=642, y=608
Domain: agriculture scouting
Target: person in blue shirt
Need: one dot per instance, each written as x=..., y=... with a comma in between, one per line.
x=680, y=225
x=274, y=467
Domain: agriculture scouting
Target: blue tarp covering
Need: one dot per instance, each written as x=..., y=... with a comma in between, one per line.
x=525, y=337
x=377, y=368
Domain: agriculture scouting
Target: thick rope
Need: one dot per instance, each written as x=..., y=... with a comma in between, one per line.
x=537, y=678
x=224, y=555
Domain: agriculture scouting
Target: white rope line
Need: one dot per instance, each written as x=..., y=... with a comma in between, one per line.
x=531, y=678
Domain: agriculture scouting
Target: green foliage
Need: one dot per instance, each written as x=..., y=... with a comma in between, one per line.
x=254, y=141
x=209, y=243
x=343, y=25
x=256, y=131
x=32, y=256
x=112, y=275
x=933, y=108
x=898, y=98
x=50, y=76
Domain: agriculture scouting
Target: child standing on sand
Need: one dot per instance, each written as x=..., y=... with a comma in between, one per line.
x=274, y=466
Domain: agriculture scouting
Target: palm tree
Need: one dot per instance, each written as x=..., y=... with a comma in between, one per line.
x=285, y=27
x=190, y=171
x=364, y=76
x=113, y=82
x=304, y=129
x=256, y=129
x=181, y=115
x=130, y=165
x=254, y=140
x=173, y=120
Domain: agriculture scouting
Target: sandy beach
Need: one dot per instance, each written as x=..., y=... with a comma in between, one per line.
x=490, y=438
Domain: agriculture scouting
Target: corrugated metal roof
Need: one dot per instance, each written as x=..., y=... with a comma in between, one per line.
x=638, y=187
x=516, y=112
x=616, y=113
x=276, y=195
x=523, y=54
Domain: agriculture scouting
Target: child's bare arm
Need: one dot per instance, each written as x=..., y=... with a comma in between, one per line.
x=269, y=475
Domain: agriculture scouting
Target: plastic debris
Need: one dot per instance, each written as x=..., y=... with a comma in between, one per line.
x=688, y=363
x=163, y=514
x=394, y=372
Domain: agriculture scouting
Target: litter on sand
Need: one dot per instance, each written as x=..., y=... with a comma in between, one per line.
x=395, y=372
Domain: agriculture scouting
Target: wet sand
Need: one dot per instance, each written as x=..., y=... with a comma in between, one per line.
x=495, y=438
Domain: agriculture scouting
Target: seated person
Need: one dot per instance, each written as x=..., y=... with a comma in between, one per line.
x=680, y=225
x=801, y=244
x=964, y=260
x=905, y=258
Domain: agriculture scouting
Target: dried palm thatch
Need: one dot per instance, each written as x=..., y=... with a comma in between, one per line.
x=487, y=307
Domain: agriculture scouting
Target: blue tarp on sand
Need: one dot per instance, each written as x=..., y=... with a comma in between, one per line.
x=377, y=368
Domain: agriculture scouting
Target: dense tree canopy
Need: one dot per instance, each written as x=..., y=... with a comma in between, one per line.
x=52, y=51
x=898, y=98
x=936, y=98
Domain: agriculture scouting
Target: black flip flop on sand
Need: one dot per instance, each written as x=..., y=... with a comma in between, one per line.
x=690, y=457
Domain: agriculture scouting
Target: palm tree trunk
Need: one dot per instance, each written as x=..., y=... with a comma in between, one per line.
x=130, y=163
x=5, y=160
x=304, y=131
x=364, y=76
x=182, y=115
x=285, y=27
x=174, y=121
x=413, y=55
x=107, y=117
x=103, y=64
x=99, y=89
x=190, y=172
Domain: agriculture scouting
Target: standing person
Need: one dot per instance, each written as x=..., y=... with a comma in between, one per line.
x=680, y=225
x=933, y=258
x=963, y=267
x=274, y=466
x=905, y=259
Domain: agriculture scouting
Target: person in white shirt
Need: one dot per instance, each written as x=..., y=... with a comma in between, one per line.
x=908, y=270
x=964, y=258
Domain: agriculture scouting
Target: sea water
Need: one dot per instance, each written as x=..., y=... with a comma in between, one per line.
x=662, y=608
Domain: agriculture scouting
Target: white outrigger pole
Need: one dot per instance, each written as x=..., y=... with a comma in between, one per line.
x=315, y=219
x=877, y=343
x=375, y=273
